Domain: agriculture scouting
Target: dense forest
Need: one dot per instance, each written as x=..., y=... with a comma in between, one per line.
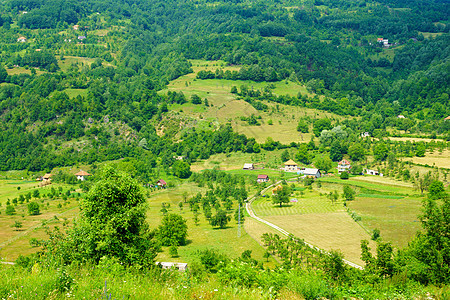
x=136, y=48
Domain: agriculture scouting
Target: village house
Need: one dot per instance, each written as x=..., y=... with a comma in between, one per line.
x=262, y=178
x=248, y=166
x=76, y=27
x=344, y=166
x=81, y=37
x=365, y=134
x=161, y=183
x=22, y=39
x=82, y=175
x=290, y=166
x=47, y=177
x=401, y=117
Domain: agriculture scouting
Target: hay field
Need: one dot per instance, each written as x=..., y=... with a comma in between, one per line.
x=436, y=158
x=328, y=231
x=397, y=219
x=413, y=139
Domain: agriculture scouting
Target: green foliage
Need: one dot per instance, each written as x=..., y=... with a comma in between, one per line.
x=33, y=208
x=172, y=231
x=349, y=193
x=380, y=151
x=282, y=195
x=220, y=219
x=436, y=190
x=181, y=169
x=323, y=162
x=112, y=224
x=302, y=154
x=356, y=152
x=173, y=251
x=320, y=125
x=10, y=210
x=344, y=175
x=302, y=126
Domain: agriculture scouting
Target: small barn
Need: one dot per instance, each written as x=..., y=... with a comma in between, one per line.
x=248, y=166
x=82, y=175
x=262, y=178
x=311, y=172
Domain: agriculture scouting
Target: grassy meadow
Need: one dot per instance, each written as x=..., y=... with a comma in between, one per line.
x=278, y=122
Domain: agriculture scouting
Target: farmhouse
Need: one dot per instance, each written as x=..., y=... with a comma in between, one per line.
x=82, y=175
x=161, y=183
x=248, y=166
x=81, y=37
x=172, y=265
x=365, y=134
x=262, y=178
x=290, y=166
x=22, y=39
x=344, y=166
x=311, y=172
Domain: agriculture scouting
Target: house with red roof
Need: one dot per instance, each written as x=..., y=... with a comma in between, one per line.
x=344, y=166
x=262, y=178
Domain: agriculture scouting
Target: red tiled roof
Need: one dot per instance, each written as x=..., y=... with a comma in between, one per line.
x=263, y=176
x=162, y=182
x=82, y=173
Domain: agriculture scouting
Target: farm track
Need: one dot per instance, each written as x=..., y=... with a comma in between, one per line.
x=248, y=207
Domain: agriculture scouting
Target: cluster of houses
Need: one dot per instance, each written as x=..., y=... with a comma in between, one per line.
x=291, y=166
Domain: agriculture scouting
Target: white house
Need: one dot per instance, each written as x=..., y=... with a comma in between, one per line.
x=22, y=39
x=373, y=172
x=248, y=166
x=262, y=178
x=344, y=166
x=290, y=166
x=82, y=175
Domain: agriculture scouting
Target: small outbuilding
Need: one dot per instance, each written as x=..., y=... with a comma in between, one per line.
x=82, y=175
x=262, y=178
x=248, y=166
x=311, y=172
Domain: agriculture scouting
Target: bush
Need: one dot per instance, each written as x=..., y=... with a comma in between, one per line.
x=10, y=210
x=33, y=208
x=344, y=175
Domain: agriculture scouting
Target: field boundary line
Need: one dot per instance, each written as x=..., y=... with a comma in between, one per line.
x=248, y=207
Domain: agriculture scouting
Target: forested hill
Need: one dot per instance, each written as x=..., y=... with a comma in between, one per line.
x=80, y=61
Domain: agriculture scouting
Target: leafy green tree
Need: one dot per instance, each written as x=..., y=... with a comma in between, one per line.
x=285, y=155
x=302, y=126
x=33, y=208
x=349, y=193
x=172, y=231
x=181, y=169
x=17, y=225
x=356, y=152
x=321, y=124
x=10, y=210
x=336, y=151
x=173, y=251
x=323, y=162
x=112, y=224
x=282, y=195
x=221, y=219
x=436, y=190
x=195, y=99
x=302, y=154
x=380, y=151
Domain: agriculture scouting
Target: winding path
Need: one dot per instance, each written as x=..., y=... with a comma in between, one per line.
x=248, y=207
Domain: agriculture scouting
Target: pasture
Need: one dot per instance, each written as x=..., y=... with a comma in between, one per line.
x=440, y=159
x=278, y=122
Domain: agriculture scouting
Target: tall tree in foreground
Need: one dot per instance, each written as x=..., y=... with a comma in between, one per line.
x=112, y=224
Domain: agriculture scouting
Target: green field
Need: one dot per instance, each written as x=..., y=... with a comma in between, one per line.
x=225, y=107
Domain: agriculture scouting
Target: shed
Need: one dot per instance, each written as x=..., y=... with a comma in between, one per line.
x=311, y=172
x=248, y=166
